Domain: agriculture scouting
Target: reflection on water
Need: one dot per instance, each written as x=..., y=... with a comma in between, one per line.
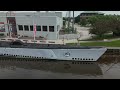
x=106, y=67
x=54, y=66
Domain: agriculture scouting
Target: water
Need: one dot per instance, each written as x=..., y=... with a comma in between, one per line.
x=107, y=67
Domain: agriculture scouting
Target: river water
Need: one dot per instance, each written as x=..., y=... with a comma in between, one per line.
x=107, y=67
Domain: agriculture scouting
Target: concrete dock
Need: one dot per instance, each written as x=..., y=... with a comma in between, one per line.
x=113, y=51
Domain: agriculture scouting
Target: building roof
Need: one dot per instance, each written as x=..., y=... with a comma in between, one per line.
x=93, y=12
x=28, y=13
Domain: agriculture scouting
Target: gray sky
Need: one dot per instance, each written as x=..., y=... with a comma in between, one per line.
x=78, y=12
x=106, y=12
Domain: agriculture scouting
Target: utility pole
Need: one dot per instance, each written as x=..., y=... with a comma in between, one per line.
x=34, y=26
x=73, y=22
x=69, y=14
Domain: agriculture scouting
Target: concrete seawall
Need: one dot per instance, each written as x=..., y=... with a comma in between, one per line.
x=113, y=51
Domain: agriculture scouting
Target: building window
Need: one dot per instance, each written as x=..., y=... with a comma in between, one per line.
x=26, y=27
x=51, y=28
x=38, y=28
x=44, y=28
x=20, y=27
x=31, y=27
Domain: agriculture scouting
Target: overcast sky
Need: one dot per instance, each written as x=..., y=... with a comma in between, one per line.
x=78, y=12
x=106, y=12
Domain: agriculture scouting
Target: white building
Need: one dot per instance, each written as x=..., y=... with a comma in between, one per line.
x=48, y=24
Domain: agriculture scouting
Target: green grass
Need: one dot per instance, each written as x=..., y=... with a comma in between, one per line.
x=107, y=44
x=108, y=36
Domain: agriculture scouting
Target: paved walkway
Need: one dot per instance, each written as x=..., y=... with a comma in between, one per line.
x=61, y=41
x=58, y=42
x=82, y=33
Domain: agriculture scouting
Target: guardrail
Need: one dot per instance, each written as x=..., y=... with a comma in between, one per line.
x=33, y=41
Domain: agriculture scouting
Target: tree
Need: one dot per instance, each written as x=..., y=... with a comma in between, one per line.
x=99, y=28
x=83, y=22
x=104, y=24
x=116, y=30
x=77, y=19
x=64, y=22
x=64, y=18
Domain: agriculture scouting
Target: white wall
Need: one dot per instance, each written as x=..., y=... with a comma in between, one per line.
x=43, y=14
x=58, y=14
x=42, y=21
x=40, y=18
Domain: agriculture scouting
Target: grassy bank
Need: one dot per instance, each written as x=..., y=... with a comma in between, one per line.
x=107, y=44
x=108, y=36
